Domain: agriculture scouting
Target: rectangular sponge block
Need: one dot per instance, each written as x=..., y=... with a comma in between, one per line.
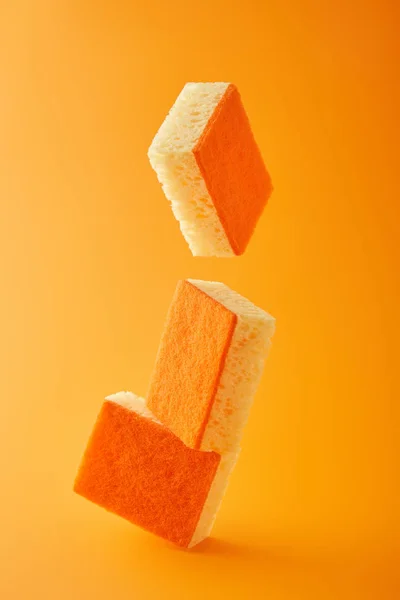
x=138, y=469
x=211, y=169
x=209, y=365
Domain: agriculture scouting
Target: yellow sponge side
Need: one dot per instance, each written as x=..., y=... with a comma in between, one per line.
x=171, y=156
x=244, y=364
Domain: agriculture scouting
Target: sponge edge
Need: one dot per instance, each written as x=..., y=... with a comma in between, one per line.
x=215, y=497
x=243, y=368
x=134, y=403
x=135, y=467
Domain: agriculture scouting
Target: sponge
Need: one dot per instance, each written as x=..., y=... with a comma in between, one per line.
x=211, y=169
x=138, y=469
x=209, y=365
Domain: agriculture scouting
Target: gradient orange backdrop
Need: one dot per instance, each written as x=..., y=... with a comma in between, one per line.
x=90, y=256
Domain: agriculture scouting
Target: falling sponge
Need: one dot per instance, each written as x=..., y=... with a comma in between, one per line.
x=138, y=469
x=211, y=169
x=209, y=364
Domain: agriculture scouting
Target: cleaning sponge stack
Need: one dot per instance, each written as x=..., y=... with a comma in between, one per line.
x=164, y=464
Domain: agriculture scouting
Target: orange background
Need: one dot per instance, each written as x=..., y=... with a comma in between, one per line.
x=90, y=256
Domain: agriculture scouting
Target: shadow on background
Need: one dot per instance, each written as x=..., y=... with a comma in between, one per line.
x=247, y=565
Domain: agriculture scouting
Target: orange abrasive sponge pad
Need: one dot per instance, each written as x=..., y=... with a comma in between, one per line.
x=211, y=169
x=138, y=469
x=209, y=364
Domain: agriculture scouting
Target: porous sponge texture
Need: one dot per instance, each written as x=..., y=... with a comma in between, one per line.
x=214, y=498
x=171, y=156
x=189, y=363
x=138, y=469
x=243, y=368
x=233, y=170
x=133, y=402
x=209, y=364
x=185, y=122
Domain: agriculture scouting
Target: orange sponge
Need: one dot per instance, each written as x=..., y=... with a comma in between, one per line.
x=233, y=169
x=209, y=364
x=211, y=169
x=138, y=469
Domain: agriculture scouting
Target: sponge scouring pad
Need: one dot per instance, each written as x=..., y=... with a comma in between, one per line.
x=209, y=364
x=211, y=169
x=137, y=468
